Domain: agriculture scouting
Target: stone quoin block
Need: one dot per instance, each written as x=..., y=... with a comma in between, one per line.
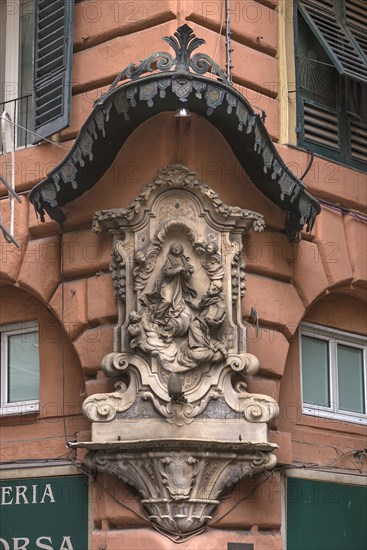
x=332, y=245
x=277, y=303
x=70, y=305
x=309, y=274
x=85, y=253
x=100, y=297
x=270, y=347
x=92, y=345
x=357, y=240
x=40, y=271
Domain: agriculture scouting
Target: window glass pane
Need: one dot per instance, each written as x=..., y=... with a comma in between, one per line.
x=23, y=363
x=315, y=371
x=350, y=379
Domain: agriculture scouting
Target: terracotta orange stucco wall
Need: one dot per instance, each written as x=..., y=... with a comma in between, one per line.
x=313, y=280
x=43, y=435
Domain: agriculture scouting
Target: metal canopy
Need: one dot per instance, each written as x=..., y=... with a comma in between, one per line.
x=175, y=81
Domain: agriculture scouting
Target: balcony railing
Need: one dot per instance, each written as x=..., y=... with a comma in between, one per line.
x=19, y=114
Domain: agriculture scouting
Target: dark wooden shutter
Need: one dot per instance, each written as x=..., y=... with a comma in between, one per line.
x=323, y=4
x=52, y=66
x=337, y=41
x=356, y=22
x=318, y=102
x=321, y=126
x=358, y=138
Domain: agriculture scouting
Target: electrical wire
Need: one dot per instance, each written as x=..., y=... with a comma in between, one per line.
x=92, y=478
x=35, y=134
x=309, y=164
x=220, y=30
x=354, y=213
x=248, y=497
x=62, y=332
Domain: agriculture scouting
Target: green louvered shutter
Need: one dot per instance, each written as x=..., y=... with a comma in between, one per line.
x=347, y=57
x=53, y=48
x=356, y=22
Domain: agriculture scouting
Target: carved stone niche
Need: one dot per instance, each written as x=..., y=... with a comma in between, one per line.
x=180, y=426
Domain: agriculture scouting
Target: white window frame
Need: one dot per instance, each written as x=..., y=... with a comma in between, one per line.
x=334, y=337
x=17, y=407
x=10, y=58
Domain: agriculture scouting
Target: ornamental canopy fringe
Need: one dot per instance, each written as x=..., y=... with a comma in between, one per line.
x=135, y=96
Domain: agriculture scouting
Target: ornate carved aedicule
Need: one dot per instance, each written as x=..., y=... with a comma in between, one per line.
x=180, y=425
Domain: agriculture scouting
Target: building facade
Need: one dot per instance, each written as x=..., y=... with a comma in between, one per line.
x=259, y=148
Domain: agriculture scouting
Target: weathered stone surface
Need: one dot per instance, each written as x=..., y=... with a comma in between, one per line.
x=11, y=256
x=85, y=253
x=92, y=345
x=40, y=229
x=269, y=253
x=102, y=385
x=357, y=241
x=212, y=539
x=254, y=501
x=251, y=22
x=99, y=21
x=100, y=64
x=277, y=303
x=40, y=271
x=309, y=274
x=332, y=181
x=100, y=297
x=332, y=247
x=284, y=441
x=266, y=386
x=270, y=347
x=117, y=503
x=70, y=305
x=354, y=316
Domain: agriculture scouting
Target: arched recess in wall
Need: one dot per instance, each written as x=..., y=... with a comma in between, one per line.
x=58, y=384
x=337, y=315
x=193, y=142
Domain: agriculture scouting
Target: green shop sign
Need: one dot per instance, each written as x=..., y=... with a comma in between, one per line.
x=49, y=513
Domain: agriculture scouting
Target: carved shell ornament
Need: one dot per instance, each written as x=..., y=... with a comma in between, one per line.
x=179, y=360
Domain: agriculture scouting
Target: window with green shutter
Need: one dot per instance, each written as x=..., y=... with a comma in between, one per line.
x=332, y=79
x=53, y=49
x=35, y=98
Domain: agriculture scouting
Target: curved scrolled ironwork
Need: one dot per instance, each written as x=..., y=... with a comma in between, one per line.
x=183, y=43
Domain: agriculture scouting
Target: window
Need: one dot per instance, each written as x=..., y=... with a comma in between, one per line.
x=333, y=373
x=19, y=382
x=36, y=95
x=331, y=66
x=17, y=28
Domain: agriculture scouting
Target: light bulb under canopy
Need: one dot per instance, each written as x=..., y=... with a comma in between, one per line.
x=182, y=112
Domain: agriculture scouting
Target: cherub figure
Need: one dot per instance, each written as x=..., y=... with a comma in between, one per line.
x=210, y=259
x=144, y=264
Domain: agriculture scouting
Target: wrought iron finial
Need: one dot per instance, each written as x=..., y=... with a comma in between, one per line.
x=184, y=42
x=183, y=47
